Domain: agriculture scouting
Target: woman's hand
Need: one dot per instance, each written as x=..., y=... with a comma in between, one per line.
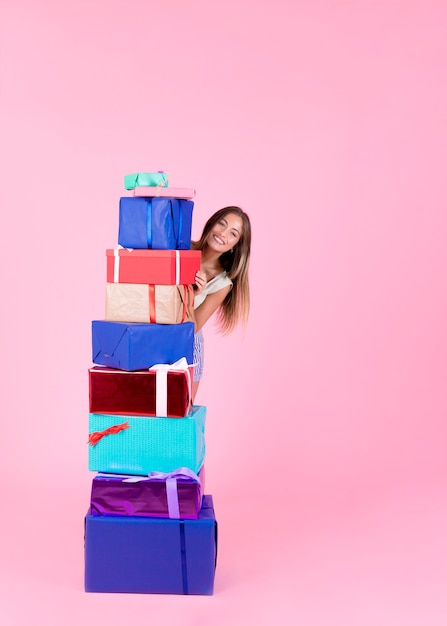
x=200, y=281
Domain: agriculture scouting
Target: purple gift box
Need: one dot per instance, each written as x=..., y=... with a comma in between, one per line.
x=175, y=495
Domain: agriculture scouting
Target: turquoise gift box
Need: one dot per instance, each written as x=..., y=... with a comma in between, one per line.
x=129, y=444
x=146, y=179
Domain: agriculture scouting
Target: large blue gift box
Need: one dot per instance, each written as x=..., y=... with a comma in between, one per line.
x=155, y=223
x=129, y=444
x=134, y=346
x=150, y=554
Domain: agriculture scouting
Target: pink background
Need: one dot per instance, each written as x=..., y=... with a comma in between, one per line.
x=326, y=121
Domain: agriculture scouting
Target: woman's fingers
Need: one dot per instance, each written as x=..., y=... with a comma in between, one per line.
x=200, y=280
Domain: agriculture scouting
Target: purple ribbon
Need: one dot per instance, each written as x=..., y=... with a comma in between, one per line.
x=171, y=478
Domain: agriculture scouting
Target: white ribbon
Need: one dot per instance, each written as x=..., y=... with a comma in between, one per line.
x=116, y=266
x=161, y=383
x=177, y=267
x=172, y=498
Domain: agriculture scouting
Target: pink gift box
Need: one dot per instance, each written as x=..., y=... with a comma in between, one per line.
x=182, y=193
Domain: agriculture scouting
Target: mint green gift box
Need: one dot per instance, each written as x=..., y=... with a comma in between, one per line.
x=146, y=179
x=129, y=444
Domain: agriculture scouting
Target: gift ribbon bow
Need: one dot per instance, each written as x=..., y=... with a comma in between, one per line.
x=93, y=438
x=171, y=478
x=146, y=179
x=161, y=383
x=164, y=179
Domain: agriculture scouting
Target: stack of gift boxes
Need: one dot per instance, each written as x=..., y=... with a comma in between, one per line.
x=149, y=528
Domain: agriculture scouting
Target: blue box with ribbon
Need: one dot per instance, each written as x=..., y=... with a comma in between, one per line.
x=130, y=444
x=150, y=554
x=135, y=346
x=155, y=223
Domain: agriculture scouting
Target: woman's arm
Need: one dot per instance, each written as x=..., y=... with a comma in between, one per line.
x=209, y=306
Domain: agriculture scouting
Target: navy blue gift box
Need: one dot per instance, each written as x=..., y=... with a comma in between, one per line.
x=133, y=346
x=151, y=554
x=155, y=223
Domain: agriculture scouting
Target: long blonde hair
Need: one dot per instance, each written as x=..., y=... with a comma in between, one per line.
x=236, y=306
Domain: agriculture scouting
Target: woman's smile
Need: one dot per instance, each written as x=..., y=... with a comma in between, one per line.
x=219, y=240
x=226, y=233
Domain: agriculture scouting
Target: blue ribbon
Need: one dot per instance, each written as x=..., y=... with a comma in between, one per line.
x=177, y=217
x=177, y=222
x=149, y=224
x=180, y=473
x=183, y=556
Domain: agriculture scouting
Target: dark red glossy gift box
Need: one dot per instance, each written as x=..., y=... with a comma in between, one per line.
x=144, y=392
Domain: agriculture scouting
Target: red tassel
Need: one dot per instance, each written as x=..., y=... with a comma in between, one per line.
x=93, y=438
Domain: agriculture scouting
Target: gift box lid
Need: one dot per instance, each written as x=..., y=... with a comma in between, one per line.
x=156, y=267
x=181, y=193
x=145, y=253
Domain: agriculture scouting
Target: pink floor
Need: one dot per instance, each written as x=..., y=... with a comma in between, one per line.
x=353, y=558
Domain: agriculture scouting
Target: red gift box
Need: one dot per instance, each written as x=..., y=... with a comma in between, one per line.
x=155, y=267
x=135, y=393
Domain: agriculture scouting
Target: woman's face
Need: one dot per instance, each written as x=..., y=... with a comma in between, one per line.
x=225, y=234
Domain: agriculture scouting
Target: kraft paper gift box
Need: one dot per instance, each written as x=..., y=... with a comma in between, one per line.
x=128, y=444
x=155, y=267
x=150, y=179
x=163, y=192
x=150, y=554
x=174, y=495
x=152, y=304
x=155, y=223
x=163, y=391
x=133, y=346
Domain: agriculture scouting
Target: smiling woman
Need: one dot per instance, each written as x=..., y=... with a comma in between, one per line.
x=222, y=281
